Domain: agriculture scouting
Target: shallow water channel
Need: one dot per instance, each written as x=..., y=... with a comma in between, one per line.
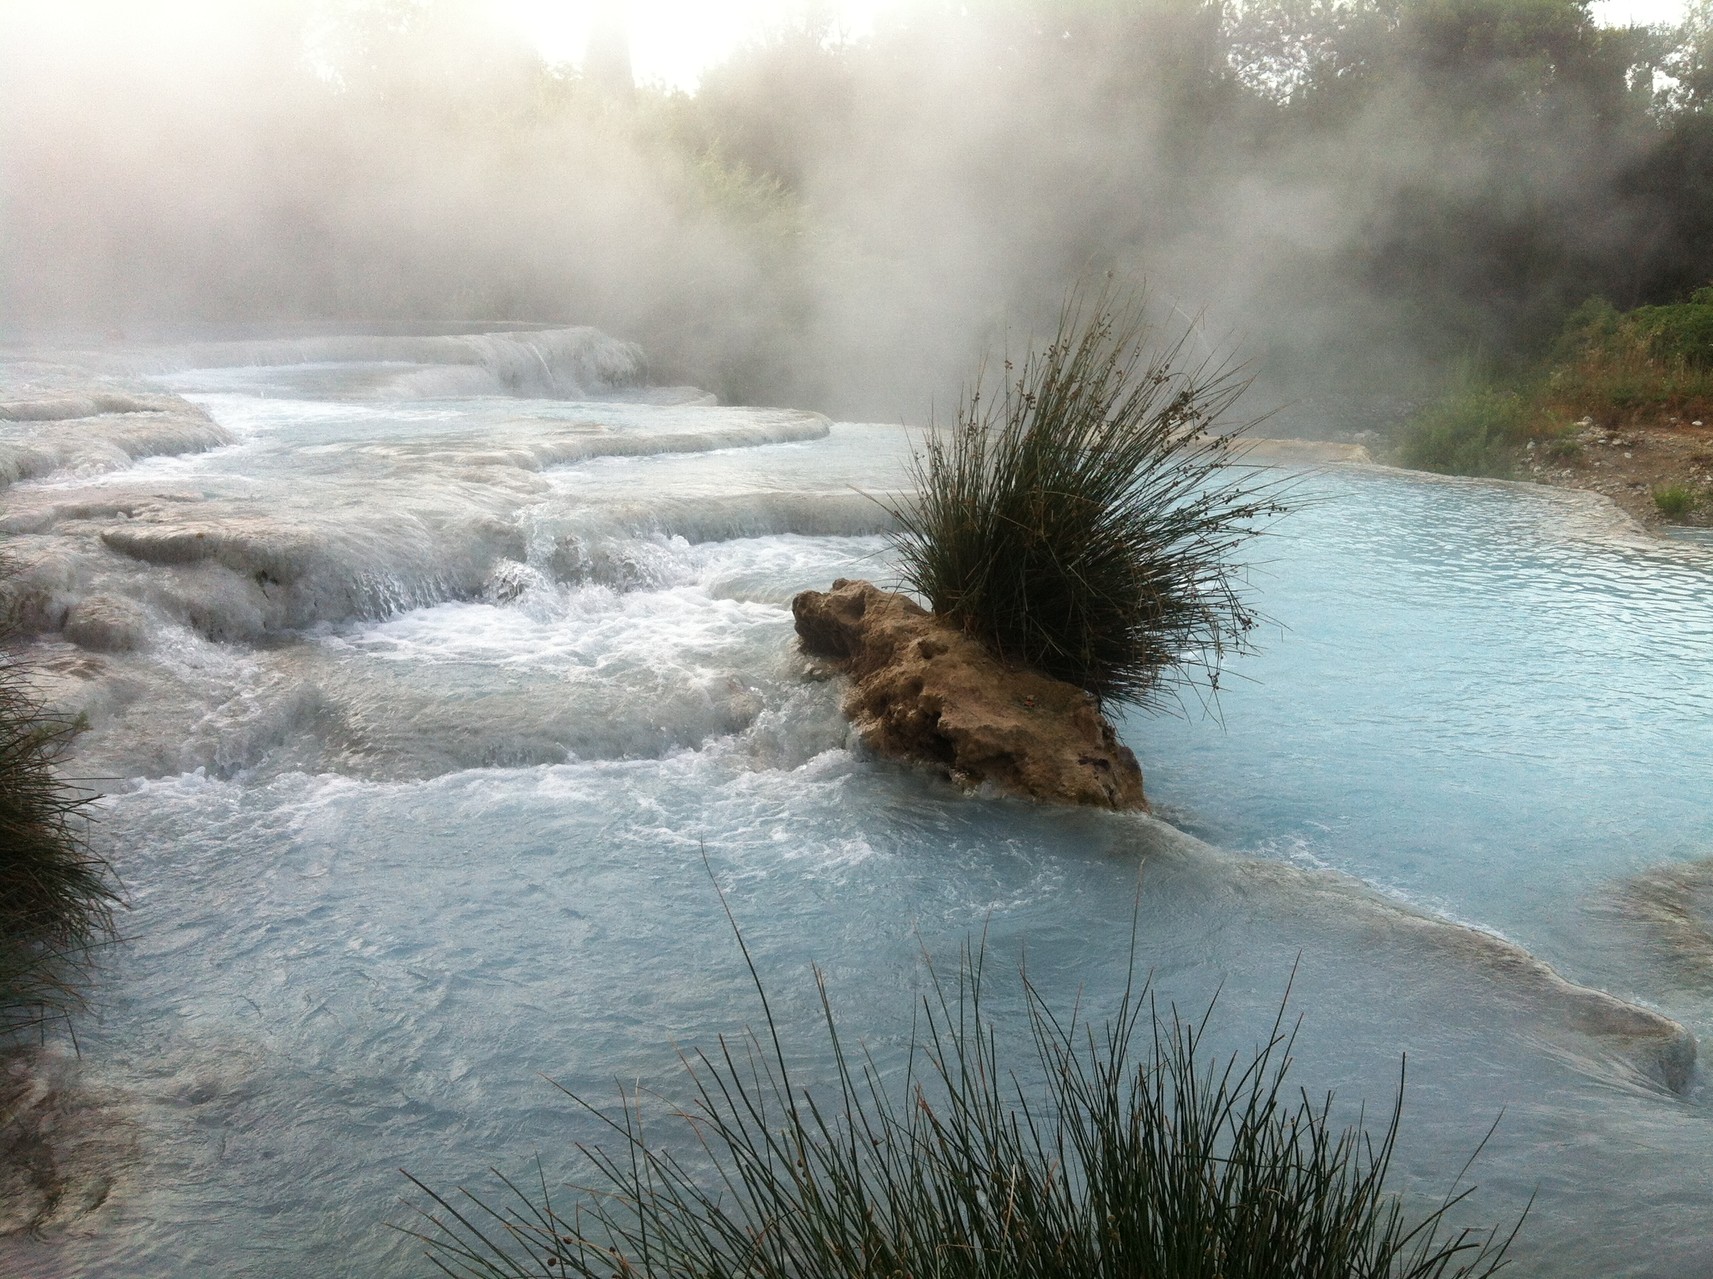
x=445, y=708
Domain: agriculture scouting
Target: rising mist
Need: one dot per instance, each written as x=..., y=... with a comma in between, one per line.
x=1346, y=196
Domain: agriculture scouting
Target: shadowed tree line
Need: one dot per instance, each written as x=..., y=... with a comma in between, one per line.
x=1425, y=176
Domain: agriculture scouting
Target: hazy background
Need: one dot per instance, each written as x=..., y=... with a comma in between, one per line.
x=843, y=215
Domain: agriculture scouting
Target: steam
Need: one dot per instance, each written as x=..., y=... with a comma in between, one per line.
x=842, y=228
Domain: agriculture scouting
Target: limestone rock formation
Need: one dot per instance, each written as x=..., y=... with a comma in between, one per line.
x=922, y=690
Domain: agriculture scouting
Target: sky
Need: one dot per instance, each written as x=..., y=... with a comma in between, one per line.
x=1619, y=13
x=673, y=41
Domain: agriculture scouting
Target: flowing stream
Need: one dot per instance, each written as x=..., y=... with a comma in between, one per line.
x=434, y=681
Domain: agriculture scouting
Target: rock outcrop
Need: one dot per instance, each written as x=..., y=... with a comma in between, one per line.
x=923, y=691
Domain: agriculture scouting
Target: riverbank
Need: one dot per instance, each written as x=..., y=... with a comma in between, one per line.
x=1640, y=468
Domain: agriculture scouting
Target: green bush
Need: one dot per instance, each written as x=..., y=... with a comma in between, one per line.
x=1680, y=334
x=1592, y=324
x=1563, y=445
x=1674, y=500
x=56, y=896
x=1617, y=366
x=1476, y=430
x=1083, y=524
x=1141, y=1157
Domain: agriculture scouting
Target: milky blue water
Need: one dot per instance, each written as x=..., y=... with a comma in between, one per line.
x=1475, y=700
x=427, y=773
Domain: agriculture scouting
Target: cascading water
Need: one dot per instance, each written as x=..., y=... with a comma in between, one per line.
x=422, y=703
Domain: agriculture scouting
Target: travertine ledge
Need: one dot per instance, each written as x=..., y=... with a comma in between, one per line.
x=923, y=691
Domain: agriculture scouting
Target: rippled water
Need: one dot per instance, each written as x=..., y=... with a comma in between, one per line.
x=438, y=718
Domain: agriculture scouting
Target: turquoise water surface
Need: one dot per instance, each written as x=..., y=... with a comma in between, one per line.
x=426, y=771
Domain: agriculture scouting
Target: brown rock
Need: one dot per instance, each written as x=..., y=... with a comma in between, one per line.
x=924, y=691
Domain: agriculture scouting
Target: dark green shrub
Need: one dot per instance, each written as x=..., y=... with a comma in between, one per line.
x=56, y=896
x=1140, y=1157
x=1680, y=334
x=1476, y=430
x=1625, y=395
x=1619, y=366
x=1083, y=524
x=1593, y=324
x=1564, y=445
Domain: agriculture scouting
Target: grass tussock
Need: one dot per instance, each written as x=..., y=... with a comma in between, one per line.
x=56, y=895
x=1674, y=501
x=1083, y=523
x=1132, y=1151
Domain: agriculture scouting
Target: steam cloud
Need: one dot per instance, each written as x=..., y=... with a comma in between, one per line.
x=838, y=228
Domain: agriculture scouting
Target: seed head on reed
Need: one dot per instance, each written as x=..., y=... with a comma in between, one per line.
x=1083, y=523
x=1131, y=1152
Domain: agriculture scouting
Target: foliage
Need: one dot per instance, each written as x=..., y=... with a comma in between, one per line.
x=1564, y=445
x=1689, y=61
x=56, y=895
x=1678, y=334
x=1607, y=366
x=1654, y=360
x=1083, y=525
x=1674, y=500
x=1477, y=429
x=1142, y=1155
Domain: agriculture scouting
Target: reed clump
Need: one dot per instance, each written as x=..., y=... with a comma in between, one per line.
x=1131, y=1151
x=1083, y=523
x=57, y=896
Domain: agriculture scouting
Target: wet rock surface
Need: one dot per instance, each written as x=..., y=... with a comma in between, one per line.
x=1262, y=451
x=107, y=624
x=1674, y=905
x=62, y=1144
x=97, y=433
x=925, y=692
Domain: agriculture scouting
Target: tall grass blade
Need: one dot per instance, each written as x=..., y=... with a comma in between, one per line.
x=57, y=895
x=1131, y=1151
